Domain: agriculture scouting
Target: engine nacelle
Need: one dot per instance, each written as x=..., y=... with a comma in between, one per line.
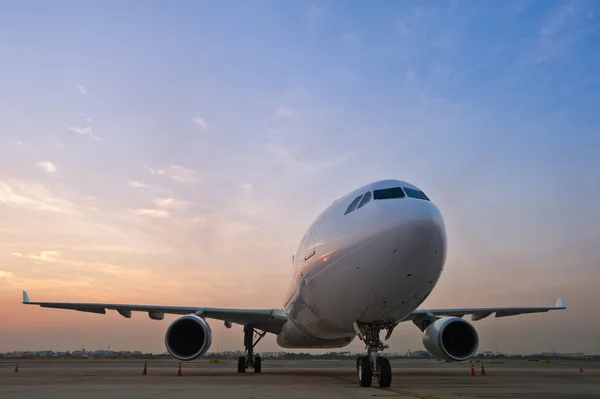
x=451, y=338
x=188, y=337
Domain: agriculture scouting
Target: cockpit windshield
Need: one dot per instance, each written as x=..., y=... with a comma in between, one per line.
x=388, y=193
x=399, y=192
x=411, y=192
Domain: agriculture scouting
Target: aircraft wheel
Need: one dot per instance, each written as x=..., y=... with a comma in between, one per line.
x=241, y=364
x=358, y=361
x=257, y=364
x=385, y=372
x=365, y=373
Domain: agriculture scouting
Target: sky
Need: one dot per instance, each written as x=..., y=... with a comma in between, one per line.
x=162, y=153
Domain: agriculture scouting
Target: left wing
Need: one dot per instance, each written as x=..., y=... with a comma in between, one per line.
x=482, y=313
x=271, y=320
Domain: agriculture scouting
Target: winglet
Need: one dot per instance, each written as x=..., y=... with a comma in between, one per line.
x=560, y=303
x=26, y=297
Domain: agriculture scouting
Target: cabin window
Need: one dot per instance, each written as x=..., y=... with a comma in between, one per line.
x=412, y=193
x=388, y=193
x=353, y=205
x=366, y=198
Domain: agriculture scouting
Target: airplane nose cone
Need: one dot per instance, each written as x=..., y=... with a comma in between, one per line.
x=419, y=234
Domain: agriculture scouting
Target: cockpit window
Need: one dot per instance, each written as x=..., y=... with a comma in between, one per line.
x=388, y=193
x=411, y=192
x=366, y=198
x=353, y=205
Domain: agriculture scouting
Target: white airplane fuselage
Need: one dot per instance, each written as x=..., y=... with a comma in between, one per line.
x=376, y=263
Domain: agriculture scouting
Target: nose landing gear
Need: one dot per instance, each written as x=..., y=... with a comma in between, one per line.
x=373, y=364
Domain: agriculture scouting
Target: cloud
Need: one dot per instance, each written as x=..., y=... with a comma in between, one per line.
x=143, y=187
x=281, y=155
x=156, y=213
x=19, y=143
x=171, y=203
x=563, y=26
x=137, y=184
x=4, y=274
x=352, y=39
x=200, y=122
x=177, y=173
x=198, y=221
x=82, y=89
x=314, y=14
x=233, y=228
x=44, y=256
x=47, y=166
x=155, y=171
x=181, y=174
x=285, y=112
x=35, y=197
x=247, y=186
x=87, y=118
x=84, y=131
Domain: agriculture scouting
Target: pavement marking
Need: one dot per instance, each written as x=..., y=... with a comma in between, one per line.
x=398, y=392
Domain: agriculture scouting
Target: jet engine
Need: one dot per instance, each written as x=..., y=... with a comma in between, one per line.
x=451, y=338
x=188, y=337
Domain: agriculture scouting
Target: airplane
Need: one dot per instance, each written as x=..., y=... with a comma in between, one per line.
x=365, y=265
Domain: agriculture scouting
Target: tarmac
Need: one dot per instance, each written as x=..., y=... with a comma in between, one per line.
x=424, y=379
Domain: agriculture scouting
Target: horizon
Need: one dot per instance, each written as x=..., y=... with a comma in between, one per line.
x=176, y=156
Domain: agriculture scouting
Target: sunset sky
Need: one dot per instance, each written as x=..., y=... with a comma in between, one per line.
x=175, y=153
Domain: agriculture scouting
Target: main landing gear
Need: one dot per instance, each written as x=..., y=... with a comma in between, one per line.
x=372, y=364
x=250, y=361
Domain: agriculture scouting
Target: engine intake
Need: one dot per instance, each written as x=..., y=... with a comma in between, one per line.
x=451, y=339
x=188, y=337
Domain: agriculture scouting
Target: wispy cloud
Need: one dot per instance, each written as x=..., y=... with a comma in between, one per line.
x=84, y=131
x=315, y=14
x=155, y=171
x=286, y=113
x=352, y=39
x=4, y=274
x=145, y=187
x=156, y=213
x=200, y=122
x=47, y=166
x=247, y=186
x=561, y=27
x=10, y=139
x=44, y=256
x=182, y=175
x=82, y=89
x=84, y=116
x=33, y=196
x=171, y=203
x=177, y=173
x=281, y=155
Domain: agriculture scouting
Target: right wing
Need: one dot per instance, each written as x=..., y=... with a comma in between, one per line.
x=271, y=320
x=482, y=313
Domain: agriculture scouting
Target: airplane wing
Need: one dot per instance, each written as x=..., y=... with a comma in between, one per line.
x=482, y=313
x=271, y=320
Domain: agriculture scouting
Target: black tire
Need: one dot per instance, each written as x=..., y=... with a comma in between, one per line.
x=385, y=372
x=241, y=364
x=257, y=364
x=358, y=360
x=365, y=373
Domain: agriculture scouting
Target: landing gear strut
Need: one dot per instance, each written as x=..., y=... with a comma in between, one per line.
x=250, y=360
x=372, y=364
